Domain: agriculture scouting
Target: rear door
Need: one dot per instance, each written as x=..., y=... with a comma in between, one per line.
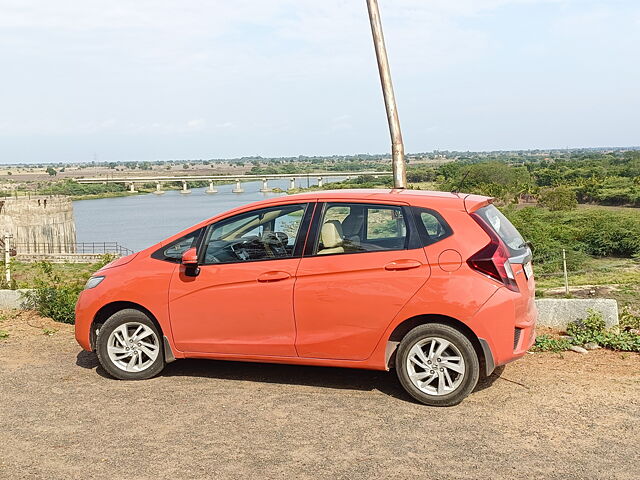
x=363, y=262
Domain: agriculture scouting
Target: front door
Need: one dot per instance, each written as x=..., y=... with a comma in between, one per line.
x=241, y=302
x=363, y=269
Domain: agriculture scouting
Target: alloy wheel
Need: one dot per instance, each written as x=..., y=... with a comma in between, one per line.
x=133, y=347
x=435, y=366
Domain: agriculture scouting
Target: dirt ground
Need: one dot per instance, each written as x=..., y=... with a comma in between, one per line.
x=546, y=416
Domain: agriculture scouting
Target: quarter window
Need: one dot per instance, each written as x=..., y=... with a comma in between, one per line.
x=434, y=228
x=357, y=228
x=174, y=251
x=260, y=235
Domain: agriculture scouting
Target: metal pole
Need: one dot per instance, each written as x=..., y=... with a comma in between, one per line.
x=7, y=257
x=397, y=145
x=566, y=276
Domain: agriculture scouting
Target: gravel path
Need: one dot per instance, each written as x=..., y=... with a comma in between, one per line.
x=546, y=416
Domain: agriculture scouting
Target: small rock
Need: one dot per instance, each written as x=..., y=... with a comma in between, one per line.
x=567, y=337
x=575, y=348
x=592, y=346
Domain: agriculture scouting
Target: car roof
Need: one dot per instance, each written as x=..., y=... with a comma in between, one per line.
x=425, y=198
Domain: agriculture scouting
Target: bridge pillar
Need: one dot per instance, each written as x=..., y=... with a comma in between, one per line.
x=211, y=190
x=159, y=190
x=320, y=181
x=132, y=188
x=265, y=186
x=185, y=190
x=292, y=185
x=238, y=188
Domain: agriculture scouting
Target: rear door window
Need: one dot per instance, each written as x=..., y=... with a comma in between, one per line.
x=359, y=228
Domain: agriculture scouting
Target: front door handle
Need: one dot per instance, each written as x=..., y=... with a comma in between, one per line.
x=273, y=277
x=402, y=265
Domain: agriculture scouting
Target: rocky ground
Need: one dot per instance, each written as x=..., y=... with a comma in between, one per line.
x=547, y=416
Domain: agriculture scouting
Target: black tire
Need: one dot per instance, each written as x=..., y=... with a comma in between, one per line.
x=468, y=379
x=113, y=322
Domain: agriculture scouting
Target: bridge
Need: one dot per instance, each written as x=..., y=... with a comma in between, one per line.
x=237, y=179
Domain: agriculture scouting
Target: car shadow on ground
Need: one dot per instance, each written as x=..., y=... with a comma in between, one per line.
x=311, y=376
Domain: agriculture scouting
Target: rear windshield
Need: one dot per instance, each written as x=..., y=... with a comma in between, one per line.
x=504, y=228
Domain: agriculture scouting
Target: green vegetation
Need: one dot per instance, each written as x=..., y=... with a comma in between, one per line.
x=82, y=191
x=558, y=198
x=583, y=233
x=4, y=334
x=55, y=295
x=591, y=330
x=548, y=343
x=79, y=190
x=362, y=181
x=629, y=321
x=611, y=178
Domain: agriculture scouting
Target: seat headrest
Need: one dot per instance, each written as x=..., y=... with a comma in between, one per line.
x=353, y=224
x=331, y=234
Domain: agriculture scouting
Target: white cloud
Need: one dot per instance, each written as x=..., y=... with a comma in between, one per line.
x=286, y=73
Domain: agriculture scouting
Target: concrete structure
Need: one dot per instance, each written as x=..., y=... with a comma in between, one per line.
x=185, y=189
x=557, y=313
x=39, y=224
x=11, y=299
x=237, y=179
x=238, y=188
x=265, y=186
x=211, y=190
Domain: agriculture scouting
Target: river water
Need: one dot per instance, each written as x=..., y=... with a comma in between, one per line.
x=139, y=221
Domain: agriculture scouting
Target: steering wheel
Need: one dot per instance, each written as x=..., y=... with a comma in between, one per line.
x=276, y=242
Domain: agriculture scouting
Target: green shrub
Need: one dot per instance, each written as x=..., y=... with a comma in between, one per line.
x=592, y=330
x=581, y=233
x=53, y=298
x=629, y=320
x=547, y=343
x=558, y=198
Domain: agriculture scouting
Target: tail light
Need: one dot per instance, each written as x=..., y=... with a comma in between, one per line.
x=493, y=259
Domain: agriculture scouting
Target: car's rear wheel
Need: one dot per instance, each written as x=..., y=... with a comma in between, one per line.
x=437, y=365
x=129, y=346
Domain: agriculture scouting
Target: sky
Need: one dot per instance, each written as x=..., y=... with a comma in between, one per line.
x=119, y=80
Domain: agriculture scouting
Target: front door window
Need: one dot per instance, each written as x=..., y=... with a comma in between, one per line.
x=262, y=235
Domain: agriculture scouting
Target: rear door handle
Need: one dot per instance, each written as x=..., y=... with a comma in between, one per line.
x=402, y=265
x=273, y=277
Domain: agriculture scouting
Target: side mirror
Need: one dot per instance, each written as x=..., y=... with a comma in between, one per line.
x=190, y=261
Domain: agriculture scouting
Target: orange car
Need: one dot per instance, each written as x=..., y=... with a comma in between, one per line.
x=437, y=285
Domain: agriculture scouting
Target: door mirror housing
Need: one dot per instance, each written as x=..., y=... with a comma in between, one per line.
x=190, y=262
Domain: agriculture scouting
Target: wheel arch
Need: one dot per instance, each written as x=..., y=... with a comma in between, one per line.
x=109, y=309
x=480, y=345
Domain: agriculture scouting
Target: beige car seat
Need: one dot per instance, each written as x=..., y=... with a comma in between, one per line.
x=331, y=238
x=352, y=226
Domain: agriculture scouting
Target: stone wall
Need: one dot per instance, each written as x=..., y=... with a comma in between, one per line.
x=39, y=224
x=558, y=312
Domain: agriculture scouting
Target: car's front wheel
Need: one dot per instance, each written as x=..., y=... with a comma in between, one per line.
x=129, y=346
x=437, y=365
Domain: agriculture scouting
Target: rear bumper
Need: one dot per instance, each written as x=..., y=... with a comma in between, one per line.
x=505, y=326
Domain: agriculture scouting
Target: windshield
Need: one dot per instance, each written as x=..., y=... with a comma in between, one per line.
x=504, y=228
